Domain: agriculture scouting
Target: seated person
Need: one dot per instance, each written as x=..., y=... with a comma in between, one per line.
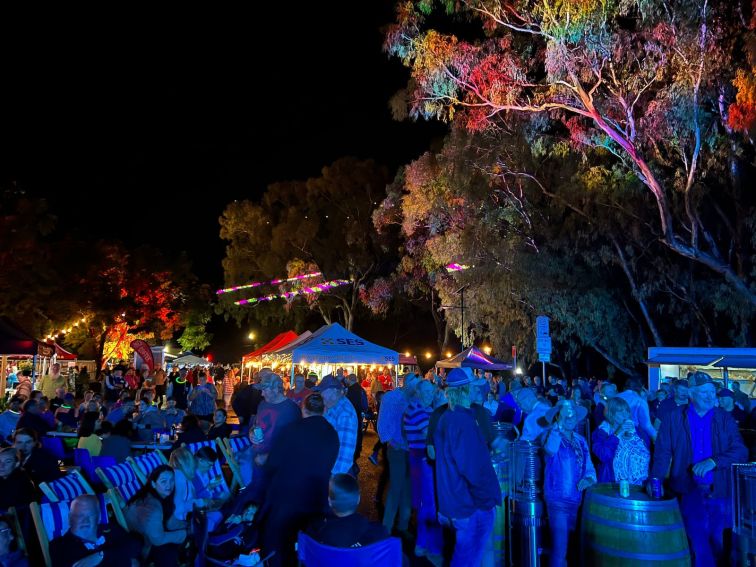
x=58, y=400
x=220, y=429
x=207, y=488
x=46, y=412
x=31, y=418
x=9, y=418
x=87, y=438
x=345, y=527
x=16, y=488
x=150, y=513
x=148, y=420
x=115, y=440
x=191, y=432
x=65, y=413
x=172, y=415
x=9, y=556
x=84, y=406
x=237, y=535
x=39, y=463
x=87, y=540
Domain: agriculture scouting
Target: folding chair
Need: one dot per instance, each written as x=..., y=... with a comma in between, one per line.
x=65, y=489
x=51, y=521
x=143, y=465
x=121, y=483
x=222, y=490
x=314, y=554
x=230, y=447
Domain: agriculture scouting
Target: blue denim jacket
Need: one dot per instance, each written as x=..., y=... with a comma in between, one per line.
x=566, y=468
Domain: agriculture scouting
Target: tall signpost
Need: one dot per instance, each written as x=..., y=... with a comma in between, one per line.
x=543, y=343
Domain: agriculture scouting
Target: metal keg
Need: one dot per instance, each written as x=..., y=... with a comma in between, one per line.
x=501, y=459
x=744, y=512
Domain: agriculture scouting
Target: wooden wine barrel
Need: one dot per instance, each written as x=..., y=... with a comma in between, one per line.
x=631, y=531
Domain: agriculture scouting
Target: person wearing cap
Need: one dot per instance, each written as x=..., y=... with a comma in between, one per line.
x=340, y=413
x=390, y=431
x=568, y=472
x=274, y=413
x=695, y=448
x=727, y=402
x=466, y=486
x=678, y=399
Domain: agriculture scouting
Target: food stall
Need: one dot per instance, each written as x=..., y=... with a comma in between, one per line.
x=725, y=364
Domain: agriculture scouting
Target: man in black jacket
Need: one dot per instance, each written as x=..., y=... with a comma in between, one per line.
x=298, y=468
x=39, y=464
x=697, y=444
x=356, y=395
x=86, y=539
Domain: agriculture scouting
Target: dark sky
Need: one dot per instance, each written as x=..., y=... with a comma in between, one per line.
x=143, y=126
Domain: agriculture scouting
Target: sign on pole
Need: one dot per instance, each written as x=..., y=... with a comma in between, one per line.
x=542, y=326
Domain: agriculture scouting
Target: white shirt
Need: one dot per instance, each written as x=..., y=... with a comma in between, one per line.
x=531, y=430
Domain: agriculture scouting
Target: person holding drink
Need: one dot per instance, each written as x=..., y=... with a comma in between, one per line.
x=694, y=451
x=569, y=471
x=622, y=454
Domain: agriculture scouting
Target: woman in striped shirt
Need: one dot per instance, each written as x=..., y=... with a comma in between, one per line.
x=416, y=417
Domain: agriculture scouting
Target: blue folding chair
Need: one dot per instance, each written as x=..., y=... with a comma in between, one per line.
x=121, y=483
x=230, y=448
x=143, y=465
x=313, y=554
x=51, y=521
x=222, y=490
x=66, y=488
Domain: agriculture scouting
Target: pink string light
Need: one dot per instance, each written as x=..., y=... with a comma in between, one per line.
x=272, y=282
x=319, y=288
x=454, y=267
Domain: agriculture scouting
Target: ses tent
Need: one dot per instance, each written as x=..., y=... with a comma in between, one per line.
x=474, y=358
x=333, y=346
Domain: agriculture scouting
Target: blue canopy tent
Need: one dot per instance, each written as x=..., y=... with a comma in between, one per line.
x=474, y=358
x=334, y=345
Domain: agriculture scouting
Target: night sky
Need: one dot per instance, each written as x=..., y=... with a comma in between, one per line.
x=143, y=126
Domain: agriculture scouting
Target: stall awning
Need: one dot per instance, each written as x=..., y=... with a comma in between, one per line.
x=279, y=341
x=682, y=358
x=407, y=360
x=63, y=354
x=333, y=344
x=14, y=340
x=474, y=358
x=734, y=361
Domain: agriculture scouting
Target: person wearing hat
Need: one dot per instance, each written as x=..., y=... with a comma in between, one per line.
x=534, y=410
x=466, y=485
x=727, y=402
x=274, y=413
x=695, y=448
x=340, y=413
x=390, y=431
x=568, y=472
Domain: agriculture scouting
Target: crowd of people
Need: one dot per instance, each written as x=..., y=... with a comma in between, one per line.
x=436, y=440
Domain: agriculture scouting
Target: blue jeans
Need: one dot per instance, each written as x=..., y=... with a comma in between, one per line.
x=705, y=520
x=562, y=526
x=473, y=538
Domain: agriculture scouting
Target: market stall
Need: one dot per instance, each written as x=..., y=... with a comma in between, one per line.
x=726, y=364
x=333, y=347
x=16, y=345
x=253, y=358
x=474, y=358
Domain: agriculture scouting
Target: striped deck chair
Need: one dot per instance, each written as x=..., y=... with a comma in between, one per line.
x=51, y=521
x=230, y=448
x=122, y=481
x=66, y=488
x=222, y=490
x=143, y=465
